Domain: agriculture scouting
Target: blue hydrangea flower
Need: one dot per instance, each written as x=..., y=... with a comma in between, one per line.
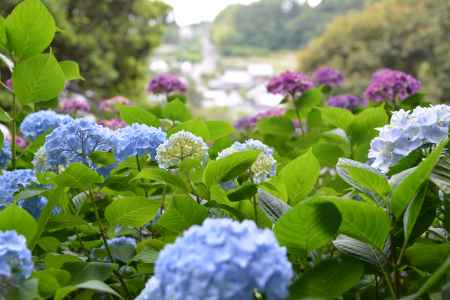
x=5, y=154
x=16, y=264
x=407, y=132
x=137, y=139
x=265, y=165
x=119, y=241
x=40, y=122
x=222, y=259
x=180, y=146
x=75, y=141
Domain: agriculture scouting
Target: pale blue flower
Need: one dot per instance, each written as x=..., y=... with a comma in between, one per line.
x=137, y=140
x=181, y=146
x=265, y=165
x=120, y=241
x=221, y=260
x=40, y=122
x=5, y=154
x=16, y=264
x=75, y=141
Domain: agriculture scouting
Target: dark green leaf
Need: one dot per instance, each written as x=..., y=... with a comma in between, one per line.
x=131, y=211
x=18, y=219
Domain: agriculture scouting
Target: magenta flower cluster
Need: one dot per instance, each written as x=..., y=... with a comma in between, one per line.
x=349, y=102
x=290, y=83
x=328, y=76
x=250, y=121
x=74, y=104
x=110, y=105
x=391, y=85
x=112, y=124
x=166, y=84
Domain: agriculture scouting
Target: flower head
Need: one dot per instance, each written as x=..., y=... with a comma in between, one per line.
x=75, y=104
x=16, y=263
x=248, y=122
x=119, y=241
x=40, y=122
x=407, y=132
x=113, y=124
x=75, y=141
x=349, y=102
x=265, y=165
x=21, y=142
x=290, y=83
x=391, y=85
x=110, y=105
x=221, y=259
x=5, y=154
x=180, y=146
x=328, y=76
x=166, y=84
x=137, y=140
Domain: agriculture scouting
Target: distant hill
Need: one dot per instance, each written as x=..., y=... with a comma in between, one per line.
x=270, y=25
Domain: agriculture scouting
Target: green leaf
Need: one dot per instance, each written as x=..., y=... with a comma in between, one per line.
x=176, y=110
x=4, y=116
x=148, y=256
x=48, y=284
x=131, y=211
x=364, y=178
x=138, y=115
x=228, y=167
x=360, y=250
x=30, y=28
x=71, y=70
x=219, y=129
x=122, y=252
x=56, y=261
x=300, y=176
x=164, y=176
x=273, y=207
x=18, y=219
x=90, y=285
x=427, y=256
x=78, y=176
x=243, y=192
x=408, y=188
x=182, y=213
x=337, y=117
x=3, y=36
x=308, y=226
x=38, y=78
x=308, y=100
x=412, y=213
x=280, y=126
x=196, y=126
x=327, y=154
x=328, y=280
x=25, y=291
x=363, y=221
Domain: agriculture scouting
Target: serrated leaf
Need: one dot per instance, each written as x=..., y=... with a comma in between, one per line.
x=71, y=70
x=176, y=110
x=134, y=114
x=427, y=256
x=78, y=176
x=162, y=175
x=337, y=117
x=18, y=219
x=219, y=129
x=91, y=285
x=131, y=211
x=195, y=126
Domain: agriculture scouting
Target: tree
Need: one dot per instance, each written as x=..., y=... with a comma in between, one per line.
x=409, y=35
x=111, y=39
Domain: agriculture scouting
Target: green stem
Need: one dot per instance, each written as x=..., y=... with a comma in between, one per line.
x=389, y=284
x=138, y=163
x=13, y=132
x=302, y=130
x=255, y=208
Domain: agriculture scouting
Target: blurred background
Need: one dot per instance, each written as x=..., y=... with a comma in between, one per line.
x=226, y=50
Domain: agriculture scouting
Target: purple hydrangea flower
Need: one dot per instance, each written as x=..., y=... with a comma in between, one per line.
x=21, y=142
x=74, y=105
x=250, y=121
x=9, y=84
x=110, y=105
x=290, y=84
x=391, y=85
x=328, y=76
x=349, y=102
x=113, y=124
x=166, y=84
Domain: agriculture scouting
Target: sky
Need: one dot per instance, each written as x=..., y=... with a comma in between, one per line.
x=188, y=12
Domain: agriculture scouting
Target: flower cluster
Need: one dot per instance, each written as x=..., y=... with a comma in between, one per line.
x=181, y=146
x=5, y=154
x=121, y=241
x=41, y=122
x=75, y=141
x=265, y=165
x=249, y=122
x=166, y=84
x=328, y=76
x=349, y=102
x=290, y=84
x=222, y=259
x=137, y=140
x=407, y=132
x=110, y=105
x=76, y=104
x=16, y=263
x=391, y=85
x=113, y=124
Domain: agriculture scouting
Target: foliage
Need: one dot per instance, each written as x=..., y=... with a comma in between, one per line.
x=400, y=34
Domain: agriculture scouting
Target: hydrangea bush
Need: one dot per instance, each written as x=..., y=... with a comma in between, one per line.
x=326, y=196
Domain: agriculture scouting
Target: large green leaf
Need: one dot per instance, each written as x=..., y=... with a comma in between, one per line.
x=176, y=110
x=18, y=219
x=91, y=285
x=138, y=115
x=78, y=176
x=30, y=29
x=412, y=213
x=360, y=250
x=300, y=176
x=408, y=188
x=71, y=70
x=427, y=255
x=162, y=175
x=131, y=211
x=273, y=207
x=196, y=126
x=38, y=78
x=3, y=36
x=219, y=129
x=328, y=280
x=279, y=126
x=182, y=213
x=308, y=226
x=337, y=117
x=229, y=167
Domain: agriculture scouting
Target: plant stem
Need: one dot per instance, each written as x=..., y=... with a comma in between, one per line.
x=389, y=284
x=13, y=131
x=302, y=130
x=105, y=242
x=138, y=163
x=255, y=208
